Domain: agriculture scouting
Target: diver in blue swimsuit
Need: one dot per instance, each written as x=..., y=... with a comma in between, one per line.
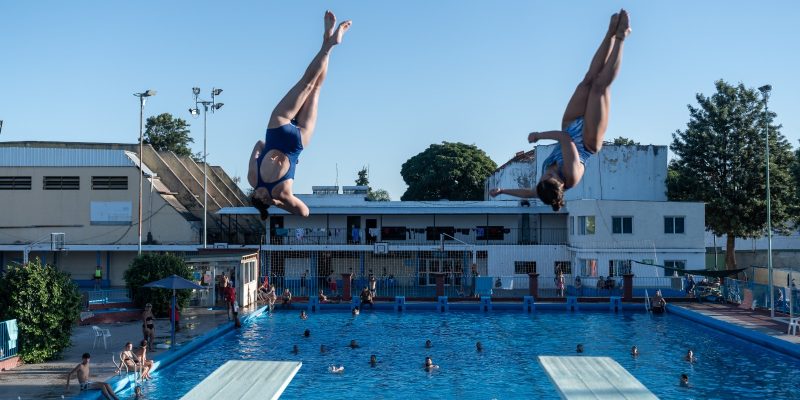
x=274, y=160
x=584, y=123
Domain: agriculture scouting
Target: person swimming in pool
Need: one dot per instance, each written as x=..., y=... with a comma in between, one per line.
x=429, y=365
x=336, y=370
x=291, y=125
x=584, y=123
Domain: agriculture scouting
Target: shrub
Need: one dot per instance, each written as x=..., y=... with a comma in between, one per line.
x=151, y=267
x=45, y=302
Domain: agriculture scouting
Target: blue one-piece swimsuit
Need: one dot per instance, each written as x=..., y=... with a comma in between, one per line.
x=286, y=139
x=575, y=130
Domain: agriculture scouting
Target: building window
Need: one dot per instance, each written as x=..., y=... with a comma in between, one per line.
x=524, y=267
x=62, y=183
x=393, y=233
x=109, y=183
x=435, y=232
x=586, y=225
x=673, y=224
x=15, y=183
x=622, y=224
x=674, y=265
x=565, y=267
x=619, y=267
x=588, y=267
x=489, y=233
x=571, y=225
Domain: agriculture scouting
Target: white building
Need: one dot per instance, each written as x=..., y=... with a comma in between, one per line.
x=90, y=192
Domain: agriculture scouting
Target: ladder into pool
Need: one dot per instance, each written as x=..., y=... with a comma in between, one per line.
x=647, y=305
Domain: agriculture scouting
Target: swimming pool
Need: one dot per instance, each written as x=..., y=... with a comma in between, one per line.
x=726, y=367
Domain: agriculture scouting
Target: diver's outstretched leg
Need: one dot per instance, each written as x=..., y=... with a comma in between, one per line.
x=290, y=105
x=599, y=103
x=577, y=104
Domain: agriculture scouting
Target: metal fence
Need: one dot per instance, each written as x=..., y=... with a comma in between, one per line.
x=756, y=296
x=109, y=296
x=454, y=285
x=8, y=339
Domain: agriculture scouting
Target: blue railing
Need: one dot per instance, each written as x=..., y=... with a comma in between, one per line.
x=8, y=339
x=108, y=296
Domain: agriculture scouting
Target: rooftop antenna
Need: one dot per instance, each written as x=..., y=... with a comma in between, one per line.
x=337, y=175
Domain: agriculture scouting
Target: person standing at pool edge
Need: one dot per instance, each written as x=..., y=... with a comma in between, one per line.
x=289, y=131
x=584, y=123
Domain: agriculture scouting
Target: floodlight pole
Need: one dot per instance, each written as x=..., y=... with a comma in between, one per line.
x=765, y=93
x=214, y=106
x=142, y=100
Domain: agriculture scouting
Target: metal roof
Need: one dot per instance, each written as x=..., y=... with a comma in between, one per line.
x=62, y=157
x=68, y=157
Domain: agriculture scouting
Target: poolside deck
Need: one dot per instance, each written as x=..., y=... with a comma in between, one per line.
x=758, y=320
x=578, y=378
x=240, y=379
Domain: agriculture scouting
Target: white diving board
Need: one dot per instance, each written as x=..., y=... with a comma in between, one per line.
x=578, y=378
x=240, y=379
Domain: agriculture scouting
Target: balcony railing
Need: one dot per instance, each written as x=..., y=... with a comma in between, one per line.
x=416, y=236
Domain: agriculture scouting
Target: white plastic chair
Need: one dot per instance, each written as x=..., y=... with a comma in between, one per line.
x=794, y=323
x=101, y=332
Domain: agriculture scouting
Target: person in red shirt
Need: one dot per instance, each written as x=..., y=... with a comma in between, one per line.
x=177, y=318
x=229, y=294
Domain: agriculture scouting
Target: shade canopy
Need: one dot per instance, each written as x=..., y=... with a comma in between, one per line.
x=174, y=282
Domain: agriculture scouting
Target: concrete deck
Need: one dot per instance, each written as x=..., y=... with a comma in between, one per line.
x=46, y=380
x=240, y=379
x=579, y=378
x=758, y=320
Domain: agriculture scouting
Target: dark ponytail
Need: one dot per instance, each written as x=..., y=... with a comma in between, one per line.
x=260, y=206
x=551, y=192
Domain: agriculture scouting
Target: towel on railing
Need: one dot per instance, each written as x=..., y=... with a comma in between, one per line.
x=11, y=325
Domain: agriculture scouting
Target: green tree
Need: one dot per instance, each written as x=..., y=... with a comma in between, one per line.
x=378, y=195
x=623, y=141
x=150, y=267
x=452, y=171
x=45, y=302
x=166, y=133
x=796, y=182
x=720, y=160
x=372, y=195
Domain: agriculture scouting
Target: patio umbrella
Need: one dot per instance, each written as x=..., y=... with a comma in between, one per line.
x=173, y=282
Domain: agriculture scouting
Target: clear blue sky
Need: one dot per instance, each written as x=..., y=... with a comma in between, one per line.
x=409, y=73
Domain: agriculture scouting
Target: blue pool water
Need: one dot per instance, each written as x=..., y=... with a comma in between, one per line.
x=726, y=367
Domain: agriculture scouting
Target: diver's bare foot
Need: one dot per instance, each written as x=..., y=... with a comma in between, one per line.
x=330, y=22
x=612, y=26
x=337, y=36
x=624, y=27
